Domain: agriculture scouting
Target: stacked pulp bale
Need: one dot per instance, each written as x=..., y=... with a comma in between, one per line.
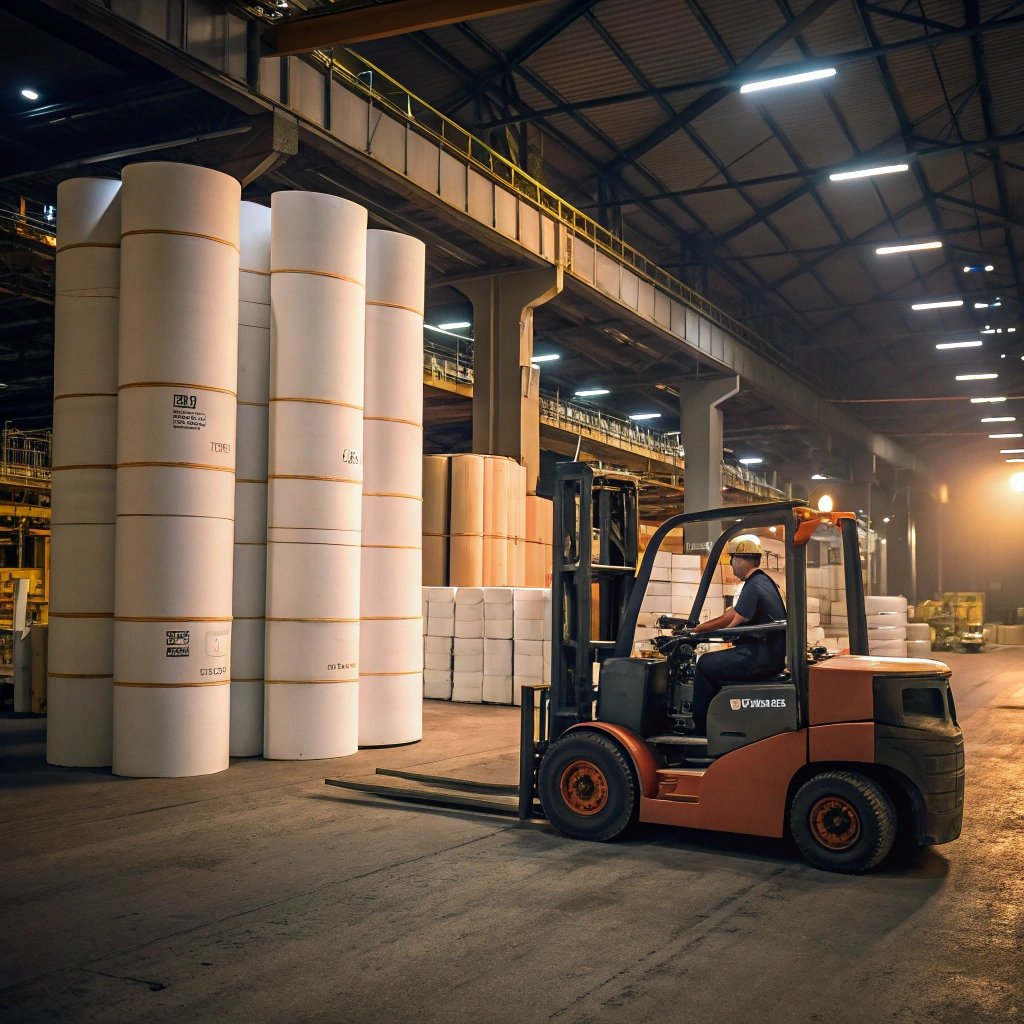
x=439, y=626
x=498, y=644
x=919, y=640
x=887, y=626
x=531, y=624
x=468, y=678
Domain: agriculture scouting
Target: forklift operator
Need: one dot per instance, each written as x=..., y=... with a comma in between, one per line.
x=758, y=604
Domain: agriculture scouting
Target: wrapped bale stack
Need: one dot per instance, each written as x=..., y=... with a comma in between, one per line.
x=498, y=645
x=468, y=677
x=439, y=618
x=531, y=623
x=887, y=626
x=919, y=640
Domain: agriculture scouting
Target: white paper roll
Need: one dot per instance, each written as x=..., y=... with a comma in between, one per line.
x=80, y=670
x=315, y=473
x=177, y=378
x=391, y=645
x=170, y=732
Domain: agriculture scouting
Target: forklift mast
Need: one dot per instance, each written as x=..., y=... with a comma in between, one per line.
x=590, y=512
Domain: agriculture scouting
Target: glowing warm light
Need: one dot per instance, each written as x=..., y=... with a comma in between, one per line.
x=825, y=503
x=1017, y=482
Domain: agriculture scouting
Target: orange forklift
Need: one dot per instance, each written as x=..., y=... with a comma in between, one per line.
x=846, y=754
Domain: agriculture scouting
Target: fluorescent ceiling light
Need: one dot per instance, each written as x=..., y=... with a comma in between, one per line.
x=958, y=344
x=1011, y=451
x=30, y=94
x=451, y=334
x=646, y=416
x=454, y=326
x=998, y=419
x=818, y=476
x=775, y=83
x=997, y=437
x=866, y=172
x=945, y=304
x=1015, y=460
x=982, y=401
x=887, y=250
x=550, y=357
x=976, y=376
x=590, y=392
x=751, y=461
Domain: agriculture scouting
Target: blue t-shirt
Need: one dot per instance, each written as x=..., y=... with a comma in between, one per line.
x=760, y=603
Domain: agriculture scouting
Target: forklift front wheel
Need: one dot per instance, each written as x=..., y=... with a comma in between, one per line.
x=587, y=788
x=843, y=821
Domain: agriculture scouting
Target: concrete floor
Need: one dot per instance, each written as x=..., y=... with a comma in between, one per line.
x=261, y=894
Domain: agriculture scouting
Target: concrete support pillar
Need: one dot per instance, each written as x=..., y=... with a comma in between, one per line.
x=700, y=422
x=902, y=543
x=506, y=392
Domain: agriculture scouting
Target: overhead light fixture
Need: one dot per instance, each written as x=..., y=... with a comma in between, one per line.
x=976, y=376
x=590, y=392
x=885, y=519
x=443, y=330
x=958, y=344
x=646, y=416
x=999, y=419
x=752, y=461
x=945, y=304
x=550, y=357
x=866, y=172
x=1011, y=451
x=887, y=250
x=30, y=94
x=825, y=503
x=775, y=83
x=1000, y=437
x=977, y=268
x=457, y=325
x=1021, y=488
x=982, y=401
x=988, y=305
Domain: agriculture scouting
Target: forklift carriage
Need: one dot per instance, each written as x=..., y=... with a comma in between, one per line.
x=846, y=754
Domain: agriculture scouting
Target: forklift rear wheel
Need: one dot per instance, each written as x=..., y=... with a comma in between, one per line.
x=843, y=821
x=587, y=788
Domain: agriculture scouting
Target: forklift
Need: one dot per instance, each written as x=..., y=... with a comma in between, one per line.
x=846, y=754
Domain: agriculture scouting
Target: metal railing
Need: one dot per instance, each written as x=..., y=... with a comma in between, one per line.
x=379, y=88
x=25, y=455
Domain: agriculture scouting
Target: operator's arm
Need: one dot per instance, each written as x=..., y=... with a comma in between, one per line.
x=727, y=621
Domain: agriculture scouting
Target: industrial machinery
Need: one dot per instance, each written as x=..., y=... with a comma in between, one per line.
x=845, y=754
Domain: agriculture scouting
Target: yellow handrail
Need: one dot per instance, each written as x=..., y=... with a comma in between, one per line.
x=362, y=77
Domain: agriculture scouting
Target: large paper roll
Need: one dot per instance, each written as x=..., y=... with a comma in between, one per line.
x=177, y=380
x=81, y=653
x=391, y=602
x=250, y=559
x=436, y=470
x=315, y=471
x=466, y=561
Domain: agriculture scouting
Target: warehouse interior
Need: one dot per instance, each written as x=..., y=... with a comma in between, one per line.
x=626, y=244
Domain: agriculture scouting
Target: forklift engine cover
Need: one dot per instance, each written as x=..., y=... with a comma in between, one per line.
x=743, y=713
x=634, y=692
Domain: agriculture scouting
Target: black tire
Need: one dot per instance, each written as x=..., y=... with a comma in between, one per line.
x=587, y=788
x=843, y=821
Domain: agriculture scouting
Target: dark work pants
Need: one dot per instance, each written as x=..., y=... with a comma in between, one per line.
x=743, y=664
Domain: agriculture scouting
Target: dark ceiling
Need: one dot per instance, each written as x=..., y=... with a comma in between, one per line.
x=631, y=110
